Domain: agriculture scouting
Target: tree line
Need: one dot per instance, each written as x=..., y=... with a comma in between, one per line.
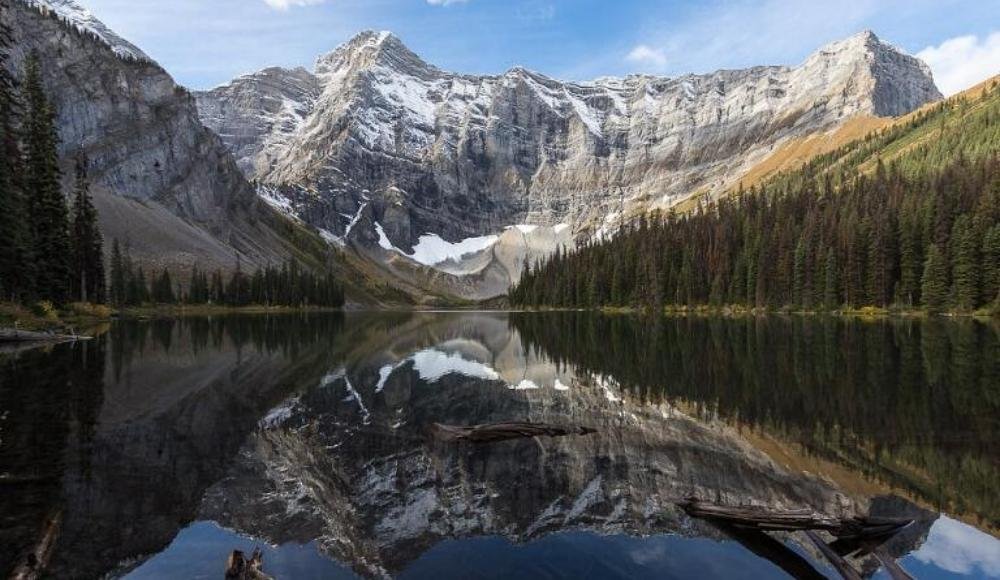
x=287, y=285
x=922, y=231
x=48, y=250
x=905, y=399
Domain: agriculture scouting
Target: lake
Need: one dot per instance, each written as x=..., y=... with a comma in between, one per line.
x=160, y=446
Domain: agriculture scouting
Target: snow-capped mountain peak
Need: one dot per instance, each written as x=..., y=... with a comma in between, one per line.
x=389, y=139
x=81, y=20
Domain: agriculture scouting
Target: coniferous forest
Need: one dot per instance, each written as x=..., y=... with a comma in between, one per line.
x=907, y=218
x=289, y=285
x=48, y=250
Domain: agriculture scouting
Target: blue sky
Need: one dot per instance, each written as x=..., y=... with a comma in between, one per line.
x=207, y=42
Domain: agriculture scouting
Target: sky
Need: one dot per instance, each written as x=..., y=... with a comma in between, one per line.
x=204, y=43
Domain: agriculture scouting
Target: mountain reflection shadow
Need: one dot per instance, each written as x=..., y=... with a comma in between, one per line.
x=350, y=462
x=313, y=430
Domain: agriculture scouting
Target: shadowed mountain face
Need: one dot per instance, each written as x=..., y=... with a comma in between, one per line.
x=163, y=183
x=315, y=431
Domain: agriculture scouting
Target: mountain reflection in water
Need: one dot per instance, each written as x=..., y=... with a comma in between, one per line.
x=310, y=434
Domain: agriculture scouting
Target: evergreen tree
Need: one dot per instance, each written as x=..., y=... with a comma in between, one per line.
x=138, y=288
x=910, y=264
x=800, y=290
x=88, y=245
x=163, y=288
x=965, y=263
x=991, y=266
x=47, y=210
x=934, y=284
x=831, y=282
x=16, y=264
x=119, y=288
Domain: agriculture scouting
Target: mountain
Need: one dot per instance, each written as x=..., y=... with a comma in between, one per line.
x=392, y=156
x=907, y=217
x=164, y=184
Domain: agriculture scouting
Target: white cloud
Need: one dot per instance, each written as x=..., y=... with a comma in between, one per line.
x=286, y=4
x=961, y=62
x=960, y=548
x=535, y=11
x=647, y=55
x=445, y=2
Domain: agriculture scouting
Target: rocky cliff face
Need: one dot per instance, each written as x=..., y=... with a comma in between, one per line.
x=379, y=148
x=164, y=184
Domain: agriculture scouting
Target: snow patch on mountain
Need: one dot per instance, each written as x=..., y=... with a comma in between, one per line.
x=81, y=20
x=432, y=364
x=431, y=250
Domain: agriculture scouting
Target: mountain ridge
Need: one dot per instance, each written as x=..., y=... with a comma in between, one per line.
x=377, y=139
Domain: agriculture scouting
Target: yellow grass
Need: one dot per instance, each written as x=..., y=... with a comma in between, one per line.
x=797, y=152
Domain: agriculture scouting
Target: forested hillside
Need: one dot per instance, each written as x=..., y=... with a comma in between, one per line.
x=906, y=217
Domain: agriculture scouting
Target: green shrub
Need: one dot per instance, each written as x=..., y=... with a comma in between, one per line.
x=46, y=310
x=91, y=310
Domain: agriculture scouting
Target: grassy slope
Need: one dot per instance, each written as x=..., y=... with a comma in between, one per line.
x=890, y=137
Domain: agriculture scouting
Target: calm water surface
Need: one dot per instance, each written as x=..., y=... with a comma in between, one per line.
x=159, y=447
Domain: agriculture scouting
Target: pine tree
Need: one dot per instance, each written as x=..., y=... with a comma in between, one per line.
x=965, y=263
x=88, y=245
x=163, y=288
x=16, y=264
x=991, y=266
x=910, y=265
x=934, y=284
x=800, y=291
x=47, y=210
x=831, y=281
x=119, y=289
x=138, y=292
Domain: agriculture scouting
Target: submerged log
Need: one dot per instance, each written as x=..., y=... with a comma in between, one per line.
x=860, y=535
x=777, y=552
x=762, y=518
x=35, y=562
x=896, y=572
x=503, y=431
x=18, y=335
x=845, y=570
x=861, y=531
x=239, y=568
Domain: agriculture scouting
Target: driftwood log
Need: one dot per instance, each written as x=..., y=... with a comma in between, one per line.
x=18, y=335
x=504, y=431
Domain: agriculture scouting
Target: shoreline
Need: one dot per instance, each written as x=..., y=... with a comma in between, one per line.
x=68, y=319
x=742, y=311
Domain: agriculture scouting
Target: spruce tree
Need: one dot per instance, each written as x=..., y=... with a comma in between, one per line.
x=47, y=210
x=909, y=264
x=88, y=245
x=934, y=284
x=163, y=288
x=119, y=289
x=991, y=266
x=831, y=281
x=965, y=263
x=16, y=264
